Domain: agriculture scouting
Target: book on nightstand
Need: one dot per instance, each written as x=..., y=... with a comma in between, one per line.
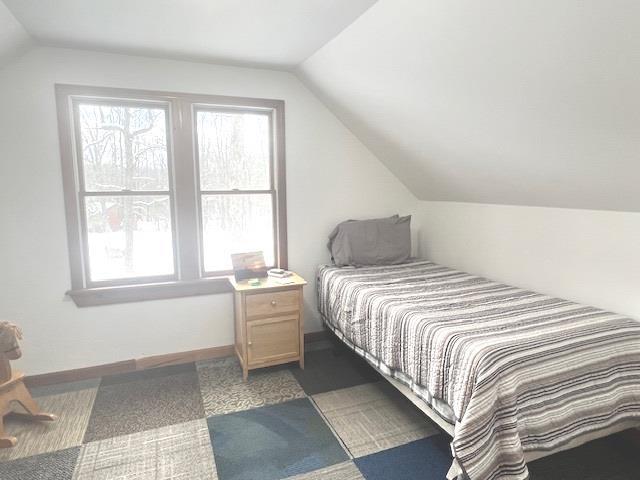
x=279, y=273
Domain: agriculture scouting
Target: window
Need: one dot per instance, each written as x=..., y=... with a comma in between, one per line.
x=124, y=190
x=161, y=188
x=236, y=195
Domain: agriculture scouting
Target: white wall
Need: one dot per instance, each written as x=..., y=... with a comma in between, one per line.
x=330, y=176
x=588, y=256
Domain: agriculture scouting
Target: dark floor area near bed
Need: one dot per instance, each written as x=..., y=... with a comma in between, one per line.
x=335, y=420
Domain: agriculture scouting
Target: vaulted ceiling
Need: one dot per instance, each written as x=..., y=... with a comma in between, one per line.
x=501, y=101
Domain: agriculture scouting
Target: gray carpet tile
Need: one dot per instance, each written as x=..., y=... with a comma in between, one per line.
x=373, y=417
x=273, y=442
x=176, y=452
x=341, y=471
x=133, y=403
x=610, y=458
x=148, y=374
x=319, y=345
x=57, y=465
x=332, y=369
x=224, y=391
x=73, y=409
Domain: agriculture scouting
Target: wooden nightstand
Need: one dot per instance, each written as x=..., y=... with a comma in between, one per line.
x=268, y=323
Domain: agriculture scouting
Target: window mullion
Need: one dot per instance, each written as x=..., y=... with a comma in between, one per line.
x=185, y=189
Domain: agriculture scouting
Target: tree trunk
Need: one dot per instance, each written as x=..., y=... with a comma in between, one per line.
x=129, y=220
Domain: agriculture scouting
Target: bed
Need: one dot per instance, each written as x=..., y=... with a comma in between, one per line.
x=512, y=375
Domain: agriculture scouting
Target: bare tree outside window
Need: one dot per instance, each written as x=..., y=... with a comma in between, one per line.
x=124, y=154
x=235, y=181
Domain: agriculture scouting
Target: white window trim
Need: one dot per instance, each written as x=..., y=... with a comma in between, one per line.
x=189, y=277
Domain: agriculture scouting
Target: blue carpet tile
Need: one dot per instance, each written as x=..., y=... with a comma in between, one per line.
x=273, y=442
x=426, y=459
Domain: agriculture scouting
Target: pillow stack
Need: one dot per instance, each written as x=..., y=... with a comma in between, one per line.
x=380, y=241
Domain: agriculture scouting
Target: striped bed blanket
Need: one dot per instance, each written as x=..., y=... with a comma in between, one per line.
x=524, y=374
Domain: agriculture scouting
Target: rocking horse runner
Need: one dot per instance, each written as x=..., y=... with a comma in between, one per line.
x=12, y=387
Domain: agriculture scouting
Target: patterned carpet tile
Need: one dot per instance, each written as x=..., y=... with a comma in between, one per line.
x=341, y=471
x=73, y=409
x=224, y=391
x=47, y=466
x=373, y=417
x=332, y=369
x=426, y=459
x=177, y=452
x=273, y=442
x=129, y=403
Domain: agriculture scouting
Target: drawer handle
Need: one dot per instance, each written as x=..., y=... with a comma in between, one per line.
x=249, y=343
x=273, y=303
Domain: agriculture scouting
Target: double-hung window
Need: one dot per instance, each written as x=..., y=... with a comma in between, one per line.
x=161, y=188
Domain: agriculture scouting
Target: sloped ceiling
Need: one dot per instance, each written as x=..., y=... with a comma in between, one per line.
x=515, y=102
x=270, y=33
x=13, y=38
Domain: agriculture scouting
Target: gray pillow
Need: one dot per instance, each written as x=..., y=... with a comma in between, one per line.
x=380, y=241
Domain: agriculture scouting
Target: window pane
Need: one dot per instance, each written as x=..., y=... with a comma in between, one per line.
x=236, y=224
x=123, y=148
x=129, y=236
x=233, y=149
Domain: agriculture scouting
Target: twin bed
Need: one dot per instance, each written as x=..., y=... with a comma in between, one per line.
x=510, y=374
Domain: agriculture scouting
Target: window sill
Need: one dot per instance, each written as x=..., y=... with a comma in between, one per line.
x=90, y=297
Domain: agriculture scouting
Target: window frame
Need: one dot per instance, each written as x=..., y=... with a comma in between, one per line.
x=184, y=191
x=200, y=193
x=83, y=193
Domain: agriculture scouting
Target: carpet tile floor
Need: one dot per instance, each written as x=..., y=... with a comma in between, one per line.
x=335, y=420
x=58, y=465
x=180, y=451
x=273, y=442
x=427, y=459
x=341, y=471
x=224, y=390
x=372, y=417
x=73, y=408
x=333, y=369
x=139, y=401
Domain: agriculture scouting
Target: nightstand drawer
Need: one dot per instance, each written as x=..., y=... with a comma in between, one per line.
x=273, y=339
x=272, y=303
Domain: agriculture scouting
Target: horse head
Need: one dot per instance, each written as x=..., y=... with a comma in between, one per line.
x=9, y=336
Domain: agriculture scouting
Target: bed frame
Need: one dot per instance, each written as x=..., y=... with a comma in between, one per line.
x=401, y=387
x=423, y=406
x=448, y=428
x=420, y=403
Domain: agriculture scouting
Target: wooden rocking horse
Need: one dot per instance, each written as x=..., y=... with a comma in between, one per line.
x=12, y=387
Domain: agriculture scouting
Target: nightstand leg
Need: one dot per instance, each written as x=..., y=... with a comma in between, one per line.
x=302, y=363
x=245, y=373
